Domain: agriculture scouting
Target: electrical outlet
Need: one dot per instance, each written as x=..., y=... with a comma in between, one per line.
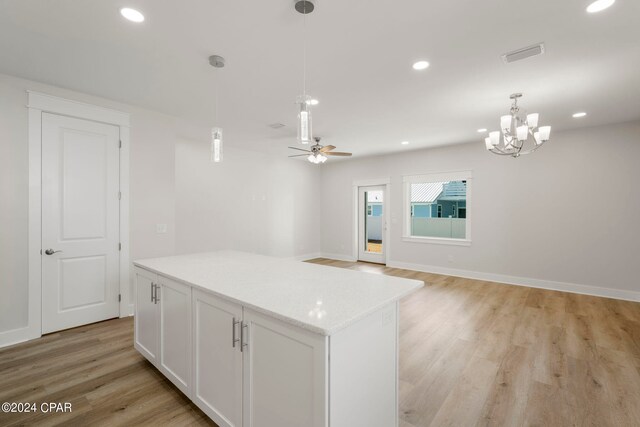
x=450, y=258
x=161, y=228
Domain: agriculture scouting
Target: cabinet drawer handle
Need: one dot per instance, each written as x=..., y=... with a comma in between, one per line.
x=234, y=340
x=243, y=344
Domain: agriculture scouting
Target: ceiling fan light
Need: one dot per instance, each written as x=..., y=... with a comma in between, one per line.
x=487, y=143
x=532, y=120
x=505, y=123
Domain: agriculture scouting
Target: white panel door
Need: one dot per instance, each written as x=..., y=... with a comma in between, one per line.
x=175, y=332
x=285, y=374
x=217, y=359
x=80, y=222
x=147, y=327
x=372, y=224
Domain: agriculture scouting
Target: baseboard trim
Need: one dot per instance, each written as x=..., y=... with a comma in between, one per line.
x=573, y=288
x=304, y=257
x=17, y=336
x=338, y=257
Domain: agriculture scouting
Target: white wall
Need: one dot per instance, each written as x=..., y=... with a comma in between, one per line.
x=251, y=201
x=568, y=213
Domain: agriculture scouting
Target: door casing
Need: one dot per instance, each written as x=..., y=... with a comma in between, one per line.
x=382, y=182
x=39, y=103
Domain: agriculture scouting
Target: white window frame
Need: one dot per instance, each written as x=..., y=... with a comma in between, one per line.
x=407, y=180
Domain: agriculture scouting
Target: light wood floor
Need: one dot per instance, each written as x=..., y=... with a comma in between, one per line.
x=96, y=368
x=471, y=353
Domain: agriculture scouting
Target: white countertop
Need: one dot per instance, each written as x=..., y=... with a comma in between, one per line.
x=318, y=298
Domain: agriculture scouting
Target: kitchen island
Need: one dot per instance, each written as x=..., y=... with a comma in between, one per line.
x=266, y=342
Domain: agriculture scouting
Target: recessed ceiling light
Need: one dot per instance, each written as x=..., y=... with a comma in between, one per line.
x=132, y=14
x=421, y=65
x=405, y=143
x=578, y=115
x=600, y=5
x=482, y=130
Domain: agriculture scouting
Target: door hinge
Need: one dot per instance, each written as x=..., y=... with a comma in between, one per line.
x=120, y=144
x=119, y=246
x=119, y=297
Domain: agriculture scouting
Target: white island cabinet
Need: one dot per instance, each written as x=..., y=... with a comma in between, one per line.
x=256, y=341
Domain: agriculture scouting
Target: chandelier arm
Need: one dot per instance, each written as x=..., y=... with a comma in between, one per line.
x=498, y=150
x=501, y=153
x=534, y=148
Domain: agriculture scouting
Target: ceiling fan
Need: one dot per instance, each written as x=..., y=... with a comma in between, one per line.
x=318, y=153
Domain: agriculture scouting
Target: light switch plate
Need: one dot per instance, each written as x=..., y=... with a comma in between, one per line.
x=161, y=228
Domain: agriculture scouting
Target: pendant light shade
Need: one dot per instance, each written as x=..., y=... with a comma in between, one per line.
x=305, y=134
x=216, y=145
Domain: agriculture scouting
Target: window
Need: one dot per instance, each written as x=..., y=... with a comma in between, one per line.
x=442, y=200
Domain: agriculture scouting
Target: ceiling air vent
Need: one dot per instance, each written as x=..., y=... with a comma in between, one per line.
x=525, y=52
x=276, y=125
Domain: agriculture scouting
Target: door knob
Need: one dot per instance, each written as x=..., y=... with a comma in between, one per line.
x=50, y=251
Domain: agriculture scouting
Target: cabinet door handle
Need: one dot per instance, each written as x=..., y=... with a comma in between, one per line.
x=156, y=293
x=234, y=340
x=152, y=290
x=243, y=344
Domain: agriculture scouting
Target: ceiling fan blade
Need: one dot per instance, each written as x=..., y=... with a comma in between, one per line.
x=337, y=153
x=300, y=155
x=327, y=148
x=300, y=149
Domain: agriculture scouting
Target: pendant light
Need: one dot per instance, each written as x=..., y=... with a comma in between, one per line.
x=216, y=132
x=305, y=135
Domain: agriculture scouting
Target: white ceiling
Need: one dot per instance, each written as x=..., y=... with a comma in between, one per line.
x=360, y=54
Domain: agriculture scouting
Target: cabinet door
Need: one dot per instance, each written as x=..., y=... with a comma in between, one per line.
x=285, y=373
x=217, y=360
x=175, y=332
x=146, y=330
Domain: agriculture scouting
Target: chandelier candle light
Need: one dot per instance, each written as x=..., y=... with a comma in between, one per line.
x=216, y=132
x=304, y=101
x=518, y=134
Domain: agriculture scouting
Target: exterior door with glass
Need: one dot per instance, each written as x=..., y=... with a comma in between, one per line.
x=372, y=224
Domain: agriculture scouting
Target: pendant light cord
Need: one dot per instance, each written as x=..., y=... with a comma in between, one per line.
x=304, y=50
x=216, y=103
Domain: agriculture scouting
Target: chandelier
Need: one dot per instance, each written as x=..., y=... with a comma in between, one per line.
x=518, y=134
